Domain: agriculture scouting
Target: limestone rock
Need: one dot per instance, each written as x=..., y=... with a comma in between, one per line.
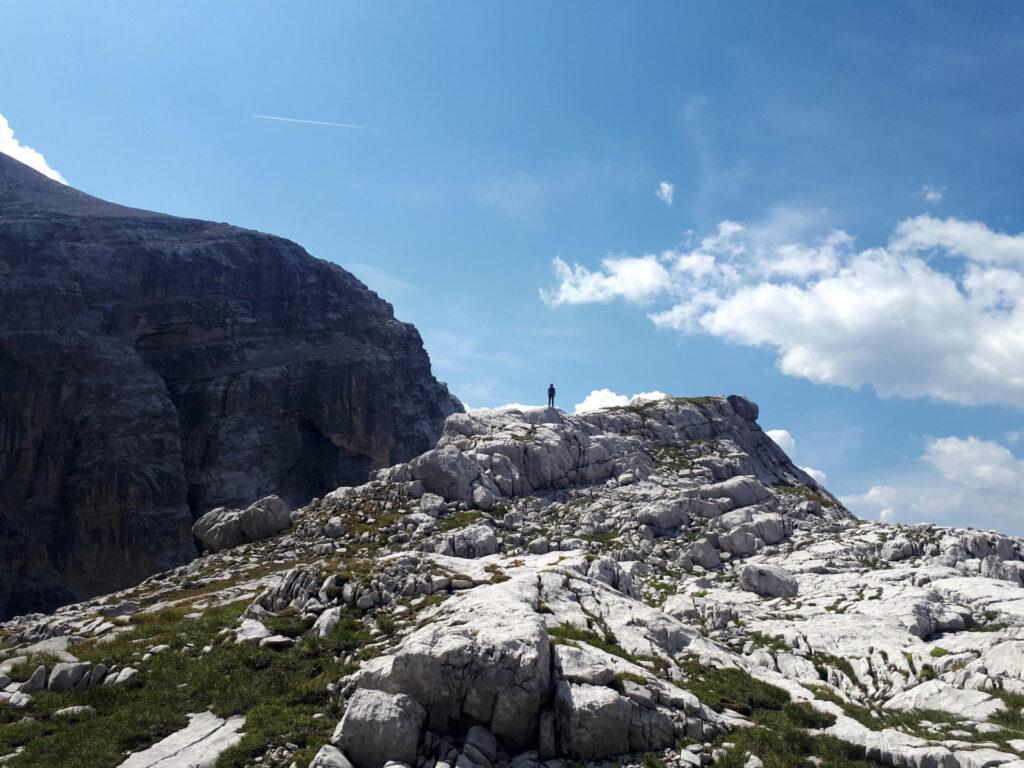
x=379, y=727
x=593, y=721
x=65, y=676
x=330, y=757
x=197, y=745
x=487, y=660
x=223, y=528
x=938, y=695
x=768, y=581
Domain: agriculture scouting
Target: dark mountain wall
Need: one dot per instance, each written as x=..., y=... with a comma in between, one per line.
x=153, y=367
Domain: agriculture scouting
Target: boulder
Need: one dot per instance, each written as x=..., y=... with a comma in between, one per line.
x=593, y=721
x=36, y=682
x=742, y=491
x=251, y=631
x=664, y=514
x=379, y=727
x=485, y=659
x=703, y=553
x=330, y=757
x=768, y=581
x=432, y=504
x=335, y=528
x=223, y=528
x=67, y=675
x=326, y=622
x=447, y=472
x=474, y=541
x=740, y=540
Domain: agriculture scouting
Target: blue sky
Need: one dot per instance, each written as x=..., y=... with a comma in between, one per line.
x=504, y=136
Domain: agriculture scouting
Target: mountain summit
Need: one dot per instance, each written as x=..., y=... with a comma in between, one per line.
x=654, y=585
x=154, y=367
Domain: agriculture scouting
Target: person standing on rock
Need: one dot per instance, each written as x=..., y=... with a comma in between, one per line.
x=551, y=395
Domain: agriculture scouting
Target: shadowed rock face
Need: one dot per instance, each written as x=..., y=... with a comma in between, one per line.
x=153, y=367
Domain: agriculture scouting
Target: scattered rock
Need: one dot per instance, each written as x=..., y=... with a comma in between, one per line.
x=768, y=581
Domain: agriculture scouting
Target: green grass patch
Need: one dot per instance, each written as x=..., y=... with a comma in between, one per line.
x=673, y=459
x=769, y=641
x=600, y=538
x=802, y=490
x=730, y=689
x=278, y=691
x=23, y=671
x=822, y=661
x=458, y=520
x=567, y=634
x=782, y=742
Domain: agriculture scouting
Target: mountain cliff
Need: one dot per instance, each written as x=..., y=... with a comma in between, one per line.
x=154, y=367
x=656, y=585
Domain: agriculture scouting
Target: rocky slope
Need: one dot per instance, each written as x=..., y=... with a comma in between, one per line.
x=153, y=367
x=654, y=585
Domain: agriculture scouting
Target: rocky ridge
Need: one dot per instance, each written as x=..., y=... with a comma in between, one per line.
x=654, y=585
x=153, y=368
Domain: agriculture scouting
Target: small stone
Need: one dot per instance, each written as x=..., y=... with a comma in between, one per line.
x=75, y=711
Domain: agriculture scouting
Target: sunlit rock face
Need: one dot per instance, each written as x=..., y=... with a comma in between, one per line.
x=153, y=367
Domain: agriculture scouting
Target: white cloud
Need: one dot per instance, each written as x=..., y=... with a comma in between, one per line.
x=601, y=398
x=30, y=157
x=606, y=398
x=932, y=193
x=782, y=439
x=895, y=317
x=819, y=477
x=666, y=191
x=636, y=280
x=974, y=463
x=509, y=407
x=967, y=481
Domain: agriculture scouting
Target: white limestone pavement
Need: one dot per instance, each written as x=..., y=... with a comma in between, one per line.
x=197, y=745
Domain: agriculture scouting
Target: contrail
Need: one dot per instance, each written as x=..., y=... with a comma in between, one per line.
x=316, y=122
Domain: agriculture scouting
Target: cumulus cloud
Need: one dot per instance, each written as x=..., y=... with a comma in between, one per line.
x=666, y=191
x=935, y=312
x=606, y=398
x=509, y=407
x=636, y=280
x=932, y=193
x=9, y=145
x=963, y=480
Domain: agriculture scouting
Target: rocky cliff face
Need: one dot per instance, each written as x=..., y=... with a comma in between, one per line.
x=642, y=586
x=153, y=367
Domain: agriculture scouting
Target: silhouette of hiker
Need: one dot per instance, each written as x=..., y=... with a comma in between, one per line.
x=551, y=395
